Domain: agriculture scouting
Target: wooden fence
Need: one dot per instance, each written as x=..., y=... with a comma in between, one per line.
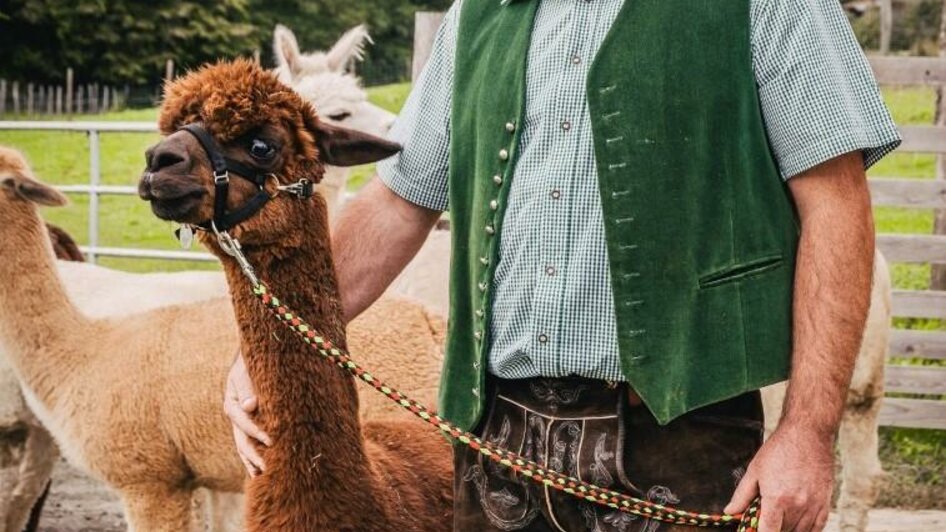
x=33, y=99
x=915, y=380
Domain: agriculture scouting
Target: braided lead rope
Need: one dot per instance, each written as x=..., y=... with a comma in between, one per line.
x=746, y=522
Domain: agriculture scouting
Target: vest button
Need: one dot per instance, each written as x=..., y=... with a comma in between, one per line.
x=493, y=204
x=490, y=230
x=504, y=154
x=476, y=392
x=482, y=287
x=480, y=313
x=484, y=260
x=510, y=126
x=498, y=179
x=478, y=335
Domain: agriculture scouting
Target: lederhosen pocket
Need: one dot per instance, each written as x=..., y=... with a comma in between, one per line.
x=574, y=426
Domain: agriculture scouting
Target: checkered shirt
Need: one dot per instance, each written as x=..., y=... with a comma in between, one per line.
x=553, y=307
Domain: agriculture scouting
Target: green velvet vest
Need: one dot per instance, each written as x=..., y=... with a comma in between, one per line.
x=702, y=232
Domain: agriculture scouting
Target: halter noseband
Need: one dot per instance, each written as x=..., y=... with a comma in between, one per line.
x=222, y=165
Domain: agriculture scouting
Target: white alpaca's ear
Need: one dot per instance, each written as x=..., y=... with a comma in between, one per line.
x=350, y=47
x=286, y=50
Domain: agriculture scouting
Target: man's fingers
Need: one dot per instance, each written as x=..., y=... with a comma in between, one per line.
x=822, y=520
x=242, y=421
x=248, y=452
x=771, y=518
x=249, y=404
x=746, y=491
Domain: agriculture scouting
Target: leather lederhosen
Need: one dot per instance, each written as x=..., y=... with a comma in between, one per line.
x=588, y=429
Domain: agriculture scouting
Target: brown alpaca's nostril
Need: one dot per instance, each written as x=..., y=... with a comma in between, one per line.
x=161, y=159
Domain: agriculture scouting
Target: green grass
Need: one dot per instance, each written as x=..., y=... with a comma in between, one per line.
x=63, y=158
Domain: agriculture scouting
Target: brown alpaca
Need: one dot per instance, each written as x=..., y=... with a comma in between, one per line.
x=324, y=470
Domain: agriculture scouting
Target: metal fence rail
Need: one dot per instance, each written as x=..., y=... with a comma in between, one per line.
x=95, y=189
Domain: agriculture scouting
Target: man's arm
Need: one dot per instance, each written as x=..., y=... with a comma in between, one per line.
x=376, y=236
x=794, y=470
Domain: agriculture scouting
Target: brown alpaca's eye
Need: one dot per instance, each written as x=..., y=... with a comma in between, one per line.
x=262, y=150
x=338, y=117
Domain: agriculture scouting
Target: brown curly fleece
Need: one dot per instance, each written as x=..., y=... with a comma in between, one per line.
x=325, y=471
x=233, y=98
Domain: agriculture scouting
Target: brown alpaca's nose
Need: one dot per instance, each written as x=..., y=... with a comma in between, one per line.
x=165, y=156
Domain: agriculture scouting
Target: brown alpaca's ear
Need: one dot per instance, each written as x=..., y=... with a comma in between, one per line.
x=32, y=190
x=339, y=146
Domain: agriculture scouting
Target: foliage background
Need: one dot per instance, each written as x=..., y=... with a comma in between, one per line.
x=120, y=42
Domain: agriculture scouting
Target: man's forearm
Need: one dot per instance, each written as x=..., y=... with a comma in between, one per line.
x=376, y=236
x=833, y=277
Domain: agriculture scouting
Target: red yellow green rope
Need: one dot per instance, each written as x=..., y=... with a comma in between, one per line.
x=745, y=522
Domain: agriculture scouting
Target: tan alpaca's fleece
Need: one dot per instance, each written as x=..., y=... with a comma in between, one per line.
x=126, y=403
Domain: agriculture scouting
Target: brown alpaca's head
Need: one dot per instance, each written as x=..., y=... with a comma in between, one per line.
x=261, y=125
x=21, y=193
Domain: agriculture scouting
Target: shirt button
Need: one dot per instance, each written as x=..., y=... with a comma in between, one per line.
x=493, y=204
x=504, y=154
x=566, y=125
x=576, y=59
x=556, y=194
x=510, y=126
x=550, y=270
x=543, y=338
x=498, y=179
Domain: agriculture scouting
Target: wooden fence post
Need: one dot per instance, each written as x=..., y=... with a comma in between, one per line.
x=3, y=96
x=425, y=29
x=16, y=97
x=886, y=25
x=70, y=77
x=79, y=99
x=50, y=100
x=169, y=70
x=105, y=98
x=58, y=99
x=29, y=99
x=938, y=271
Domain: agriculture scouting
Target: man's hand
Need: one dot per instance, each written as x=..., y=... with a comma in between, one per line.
x=794, y=473
x=239, y=403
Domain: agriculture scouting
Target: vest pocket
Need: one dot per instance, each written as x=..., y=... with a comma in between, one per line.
x=741, y=271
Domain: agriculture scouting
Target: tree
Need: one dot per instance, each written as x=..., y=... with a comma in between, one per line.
x=118, y=41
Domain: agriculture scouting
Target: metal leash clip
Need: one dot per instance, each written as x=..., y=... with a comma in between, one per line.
x=231, y=246
x=302, y=189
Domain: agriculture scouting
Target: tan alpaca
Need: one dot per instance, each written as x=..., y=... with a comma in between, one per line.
x=325, y=471
x=121, y=397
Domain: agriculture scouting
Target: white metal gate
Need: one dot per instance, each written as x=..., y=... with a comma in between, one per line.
x=95, y=189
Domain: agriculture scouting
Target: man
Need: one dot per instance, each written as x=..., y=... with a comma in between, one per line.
x=658, y=207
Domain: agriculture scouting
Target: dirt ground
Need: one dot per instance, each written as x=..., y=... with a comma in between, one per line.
x=79, y=504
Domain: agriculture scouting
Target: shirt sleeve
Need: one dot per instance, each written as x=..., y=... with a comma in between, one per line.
x=818, y=94
x=419, y=172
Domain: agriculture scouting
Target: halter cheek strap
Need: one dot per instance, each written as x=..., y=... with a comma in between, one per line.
x=222, y=165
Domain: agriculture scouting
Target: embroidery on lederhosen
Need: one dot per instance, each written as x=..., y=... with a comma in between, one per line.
x=508, y=503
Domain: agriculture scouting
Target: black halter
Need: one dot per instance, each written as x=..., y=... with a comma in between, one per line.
x=222, y=166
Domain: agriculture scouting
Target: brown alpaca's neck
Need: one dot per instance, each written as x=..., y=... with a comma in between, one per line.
x=308, y=405
x=39, y=326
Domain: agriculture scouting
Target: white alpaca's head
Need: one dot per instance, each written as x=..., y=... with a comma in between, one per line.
x=322, y=79
x=292, y=64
